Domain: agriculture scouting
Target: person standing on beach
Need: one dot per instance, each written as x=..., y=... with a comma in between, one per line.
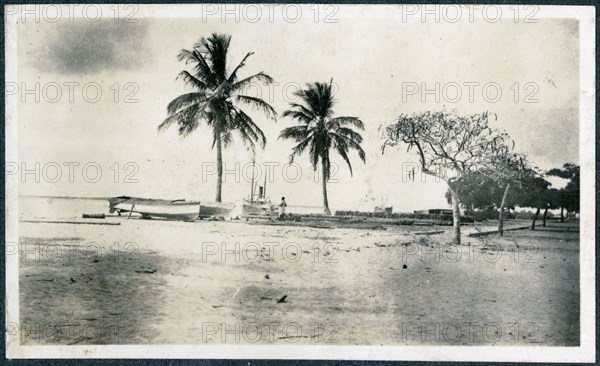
x=282, y=207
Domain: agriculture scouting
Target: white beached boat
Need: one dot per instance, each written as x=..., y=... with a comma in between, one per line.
x=257, y=203
x=168, y=209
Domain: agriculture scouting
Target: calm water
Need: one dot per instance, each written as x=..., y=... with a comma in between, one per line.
x=31, y=207
x=59, y=207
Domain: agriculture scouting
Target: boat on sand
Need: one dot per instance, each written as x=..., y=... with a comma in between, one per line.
x=257, y=204
x=168, y=209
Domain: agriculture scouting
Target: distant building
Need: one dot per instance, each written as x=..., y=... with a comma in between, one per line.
x=385, y=210
x=383, y=207
x=434, y=211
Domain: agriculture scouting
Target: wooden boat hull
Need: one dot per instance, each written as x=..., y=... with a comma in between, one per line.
x=167, y=209
x=186, y=211
x=249, y=209
x=208, y=209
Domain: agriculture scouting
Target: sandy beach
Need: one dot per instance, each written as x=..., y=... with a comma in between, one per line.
x=248, y=282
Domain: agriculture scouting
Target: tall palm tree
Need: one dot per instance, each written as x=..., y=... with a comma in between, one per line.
x=217, y=98
x=320, y=132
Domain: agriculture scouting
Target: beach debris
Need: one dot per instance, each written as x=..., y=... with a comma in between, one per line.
x=266, y=298
x=217, y=306
x=70, y=222
x=297, y=336
x=404, y=266
x=282, y=299
x=93, y=216
x=267, y=277
x=72, y=280
x=150, y=271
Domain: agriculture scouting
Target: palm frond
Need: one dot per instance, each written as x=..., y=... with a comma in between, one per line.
x=300, y=108
x=297, y=133
x=344, y=121
x=249, y=131
x=351, y=143
x=185, y=118
x=192, y=80
x=203, y=70
x=299, y=149
x=344, y=154
x=217, y=46
x=349, y=134
x=233, y=75
x=299, y=115
x=184, y=101
x=258, y=104
x=241, y=84
x=315, y=152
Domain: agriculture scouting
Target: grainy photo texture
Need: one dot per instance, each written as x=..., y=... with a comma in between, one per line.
x=387, y=182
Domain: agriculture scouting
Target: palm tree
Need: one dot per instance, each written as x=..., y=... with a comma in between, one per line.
x=320, y=132
x=216, y=99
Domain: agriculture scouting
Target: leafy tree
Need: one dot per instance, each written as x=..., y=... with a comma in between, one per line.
x=568, y=197
x=449, y=147
x=320, y=132
x=553, y=203
x=535, y=192
x=217, y=98
x=490, y=185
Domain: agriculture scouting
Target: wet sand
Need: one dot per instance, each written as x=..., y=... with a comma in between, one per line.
x=159, y=282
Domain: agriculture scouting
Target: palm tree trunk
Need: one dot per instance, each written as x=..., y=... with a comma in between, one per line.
x=326, y=210
x=219, y=167
x=501, y=213
x=537, y=212
x=544, y=217
x=455, y=217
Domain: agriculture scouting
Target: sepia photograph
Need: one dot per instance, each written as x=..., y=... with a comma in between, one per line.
x=300, y=181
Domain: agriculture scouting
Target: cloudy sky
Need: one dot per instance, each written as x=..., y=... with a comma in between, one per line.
x=372, y=54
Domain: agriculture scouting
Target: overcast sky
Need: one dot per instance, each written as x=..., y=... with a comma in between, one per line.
x=371, y=58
